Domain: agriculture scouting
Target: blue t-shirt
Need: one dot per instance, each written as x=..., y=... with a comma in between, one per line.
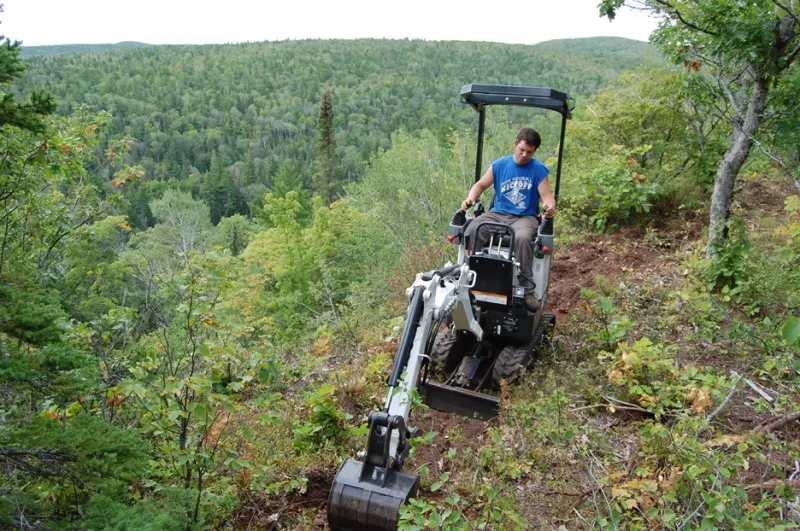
x=516, y=188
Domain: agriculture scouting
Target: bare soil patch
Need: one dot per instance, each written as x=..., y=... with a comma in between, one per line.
x=452, y=431
x=279, y=513
x=610, y=256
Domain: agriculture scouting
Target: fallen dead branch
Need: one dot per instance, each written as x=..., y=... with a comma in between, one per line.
x=616, y=407
x=772, y=484
x=727, y=399
x=579, y=495
x=631, y=461
x=614, y=403
x=772, y=425
x=627, y=406
x=761, y=429
x=755, y=387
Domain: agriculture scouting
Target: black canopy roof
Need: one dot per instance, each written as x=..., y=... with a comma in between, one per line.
x=544, y=98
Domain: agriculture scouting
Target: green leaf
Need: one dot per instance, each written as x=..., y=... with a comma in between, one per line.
x=791, y=331
x=606, y=304
x=133, y=388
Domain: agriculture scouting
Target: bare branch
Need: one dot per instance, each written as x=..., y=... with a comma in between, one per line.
x=678, y=14
x=731, y=97
x=39, y=453
x=792, y=56
x=775, y=158
x=756, y=388
x=788, y=10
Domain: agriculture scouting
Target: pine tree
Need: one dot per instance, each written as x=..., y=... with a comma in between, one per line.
x=250, y=172
x=327, y=180
x=234, y=233
x=219, y=191
x=25, y=115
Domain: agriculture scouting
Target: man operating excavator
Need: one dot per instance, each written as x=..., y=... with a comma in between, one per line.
x=519, y=181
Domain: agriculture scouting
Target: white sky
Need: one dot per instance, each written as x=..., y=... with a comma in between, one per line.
x=41, y=22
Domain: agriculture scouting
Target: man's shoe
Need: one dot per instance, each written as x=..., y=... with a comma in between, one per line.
x=532, y=303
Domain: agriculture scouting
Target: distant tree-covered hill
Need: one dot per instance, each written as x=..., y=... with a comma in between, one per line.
x=33, y=51
x=254, y=106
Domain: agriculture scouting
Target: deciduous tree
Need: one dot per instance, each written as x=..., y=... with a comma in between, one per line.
x=743, y=50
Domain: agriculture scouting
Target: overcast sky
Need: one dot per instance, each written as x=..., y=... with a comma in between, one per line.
x=40, y=22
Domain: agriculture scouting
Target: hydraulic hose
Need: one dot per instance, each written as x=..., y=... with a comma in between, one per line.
x=407, y=341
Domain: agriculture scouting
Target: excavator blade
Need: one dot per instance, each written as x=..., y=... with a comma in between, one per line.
x=371, y=503
x=460, y=401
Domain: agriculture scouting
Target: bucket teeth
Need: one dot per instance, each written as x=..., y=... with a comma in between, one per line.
x=371, y=503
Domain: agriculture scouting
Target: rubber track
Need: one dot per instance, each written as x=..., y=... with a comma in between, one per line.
x=513, y=359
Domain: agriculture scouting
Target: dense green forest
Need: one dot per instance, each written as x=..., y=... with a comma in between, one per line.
x=204, y=252
x=254, y=106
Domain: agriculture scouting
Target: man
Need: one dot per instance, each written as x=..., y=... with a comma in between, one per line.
x=519, y=181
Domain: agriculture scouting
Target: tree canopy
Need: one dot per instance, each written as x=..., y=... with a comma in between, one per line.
x=740, y=51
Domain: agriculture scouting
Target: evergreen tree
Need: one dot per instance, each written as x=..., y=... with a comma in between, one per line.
x=219, y=191
x=234, y=233
x=12, y=112
x=286, y=180
x=327, y=182
x=250, y=172
x=47, y=199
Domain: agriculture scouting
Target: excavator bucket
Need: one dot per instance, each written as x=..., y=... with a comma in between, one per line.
x=368, y=497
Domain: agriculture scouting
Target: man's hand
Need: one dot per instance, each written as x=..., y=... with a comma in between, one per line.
x=549, y=210
x=466, y=204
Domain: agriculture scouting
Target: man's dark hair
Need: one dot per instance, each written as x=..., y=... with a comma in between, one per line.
x=530, y=136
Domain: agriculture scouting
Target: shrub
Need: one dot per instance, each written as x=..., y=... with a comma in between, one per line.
x=648, y=375
x=611, y=324
x=614, y=189
x=326, y=422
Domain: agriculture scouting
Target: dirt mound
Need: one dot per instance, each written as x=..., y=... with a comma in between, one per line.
x=609, y=255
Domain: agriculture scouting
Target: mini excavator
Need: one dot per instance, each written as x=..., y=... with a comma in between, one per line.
x=466, y=322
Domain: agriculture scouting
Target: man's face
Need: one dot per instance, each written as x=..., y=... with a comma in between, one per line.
x=523, y=152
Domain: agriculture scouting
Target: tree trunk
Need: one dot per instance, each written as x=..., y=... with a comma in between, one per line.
x=744, y=129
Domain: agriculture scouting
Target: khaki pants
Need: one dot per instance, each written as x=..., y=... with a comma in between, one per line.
x=525, y=228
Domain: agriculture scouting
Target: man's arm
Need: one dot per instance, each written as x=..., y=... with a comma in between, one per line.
x=478, y=188
x=548, y=201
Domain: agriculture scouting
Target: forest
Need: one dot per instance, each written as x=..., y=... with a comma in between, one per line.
x=192, y=111
x=204, y=252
